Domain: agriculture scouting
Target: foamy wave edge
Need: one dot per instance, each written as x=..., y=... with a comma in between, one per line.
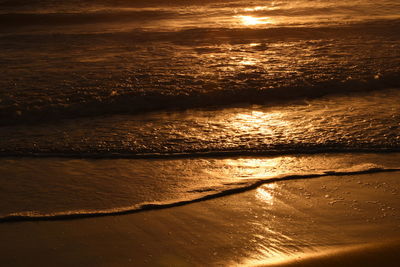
x=242, y=187
x=127, y=104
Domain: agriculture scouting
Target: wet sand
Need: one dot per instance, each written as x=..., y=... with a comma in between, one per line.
x=333, y=221
x=381, y=254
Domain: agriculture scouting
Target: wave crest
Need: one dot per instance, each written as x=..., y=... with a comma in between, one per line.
x=249, y=91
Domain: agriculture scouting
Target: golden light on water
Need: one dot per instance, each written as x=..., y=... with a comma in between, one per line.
x=252, y=168
x=252, y=21
x=256, y=8
x=257, y=121
x=248, y=62
x=248, y=168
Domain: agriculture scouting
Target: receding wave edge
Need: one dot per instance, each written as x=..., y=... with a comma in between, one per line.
x=243, y=187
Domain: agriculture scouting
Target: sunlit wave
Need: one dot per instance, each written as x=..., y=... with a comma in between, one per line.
x=257, y=121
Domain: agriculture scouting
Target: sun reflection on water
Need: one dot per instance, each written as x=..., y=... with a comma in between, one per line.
x=253, y=168
x=251, y=21
x=256, y=8
x=248, y=62
x=257, y=121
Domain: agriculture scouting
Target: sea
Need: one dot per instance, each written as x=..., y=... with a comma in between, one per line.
x=119, y=106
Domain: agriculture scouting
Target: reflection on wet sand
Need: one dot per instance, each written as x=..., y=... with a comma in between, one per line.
x=318, y=221
x=265, y=193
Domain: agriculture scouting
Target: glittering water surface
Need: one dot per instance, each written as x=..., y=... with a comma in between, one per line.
x=119, y=79
x=74, y=59
x=367, y=122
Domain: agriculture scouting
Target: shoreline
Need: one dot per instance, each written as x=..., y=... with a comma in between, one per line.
x=60, y=216
x=270, y=223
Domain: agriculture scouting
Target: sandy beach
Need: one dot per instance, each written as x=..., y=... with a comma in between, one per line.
x=313, y=222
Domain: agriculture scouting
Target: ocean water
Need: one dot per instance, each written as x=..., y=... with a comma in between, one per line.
x=121, y=105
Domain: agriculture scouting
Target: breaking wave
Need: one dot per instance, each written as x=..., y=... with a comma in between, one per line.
x=252, y=90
